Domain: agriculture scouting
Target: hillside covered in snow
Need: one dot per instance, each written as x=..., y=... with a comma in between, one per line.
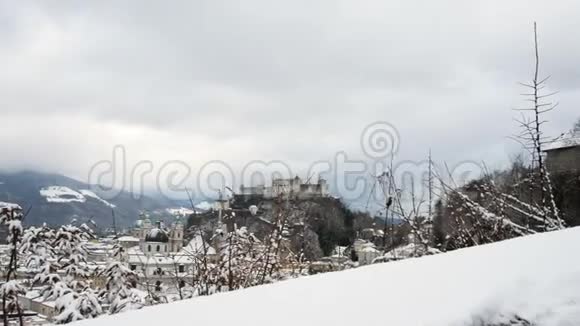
x=56, y=199
x=533, y=280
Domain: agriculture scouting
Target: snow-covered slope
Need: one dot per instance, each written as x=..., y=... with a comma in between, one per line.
x=536, y=278
x=60, y=194
x=89, y=193
x=56, y=199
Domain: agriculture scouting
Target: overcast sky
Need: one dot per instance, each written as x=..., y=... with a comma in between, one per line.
x=295, y=81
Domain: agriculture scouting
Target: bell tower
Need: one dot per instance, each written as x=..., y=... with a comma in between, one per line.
x=176, y=236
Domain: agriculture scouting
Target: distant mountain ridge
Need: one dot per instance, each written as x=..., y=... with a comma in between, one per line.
x=55, y=199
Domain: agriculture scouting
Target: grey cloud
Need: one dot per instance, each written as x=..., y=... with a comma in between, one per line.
x=277, y=80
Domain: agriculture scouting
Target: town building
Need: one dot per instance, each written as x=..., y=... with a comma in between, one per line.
x=128, y=241
x=563, y=163
x=563, y=155
x=158, y=239
x=159, y=252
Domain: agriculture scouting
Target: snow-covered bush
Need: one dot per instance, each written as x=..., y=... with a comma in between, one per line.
x=74, y=306
x=11, y=216
x=120, y=288
x=483, y=212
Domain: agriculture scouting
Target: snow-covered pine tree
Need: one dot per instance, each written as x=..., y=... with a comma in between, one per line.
x=120, y=288
x=50, y=251
x=69, y=246
x=37, y=252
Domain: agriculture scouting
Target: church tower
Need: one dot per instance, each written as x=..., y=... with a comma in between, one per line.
x=146, y=226
x=176, y=236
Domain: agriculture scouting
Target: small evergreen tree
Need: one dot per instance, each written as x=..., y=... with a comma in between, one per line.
x=119, y=292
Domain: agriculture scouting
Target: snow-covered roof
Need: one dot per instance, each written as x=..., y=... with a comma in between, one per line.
x=158, y=259
x=195, y=246
x=184, y=259
x=128, y=238
x=532, y=277
x=33, y=294
x=97, y=245
x=567, y=141
x=135, y=250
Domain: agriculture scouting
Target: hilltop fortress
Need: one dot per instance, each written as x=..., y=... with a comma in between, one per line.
x=292, y=188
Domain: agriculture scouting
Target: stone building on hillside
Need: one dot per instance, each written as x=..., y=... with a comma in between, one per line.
x=293, y=188
x=563, y=156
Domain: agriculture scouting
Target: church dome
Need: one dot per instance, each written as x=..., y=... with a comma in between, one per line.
x=157, y=235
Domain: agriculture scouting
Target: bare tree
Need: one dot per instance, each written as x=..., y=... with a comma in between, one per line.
x=532, y=137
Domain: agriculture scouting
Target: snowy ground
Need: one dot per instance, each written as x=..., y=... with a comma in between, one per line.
x=536, y=278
